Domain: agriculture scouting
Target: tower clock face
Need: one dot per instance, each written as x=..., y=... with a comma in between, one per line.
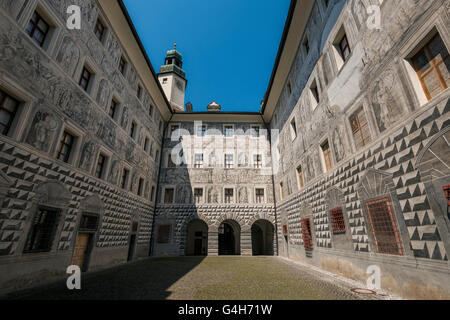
x=179, y=84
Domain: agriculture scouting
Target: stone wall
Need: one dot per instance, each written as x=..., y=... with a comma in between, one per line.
x=402, y=126
x=45, y=82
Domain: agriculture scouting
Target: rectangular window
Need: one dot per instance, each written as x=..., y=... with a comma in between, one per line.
x=447, y=196
x=152, y=194
x=289, y=88
x=326, y=152
x=281, y=190
x=198, y=194
x=306, y=234
x=432, y=64
x=99, y=30
x=85, y=79
x=164, y=232
x=255, y=131
x=384, y=227
x=360, y=128
x=259, y=195
x=42, y=231
x=65, y=147
x=170, y=163
x=100, y=166
x=122, y=65
x=315, y=92
x=228, y=161
x=293, y=129
x=344, y=48
x=228, y=131
x=146, y=142
x=150, y=111
x=201, y=131
x=164, y=80
x=257, y=161
x=133, y=129
x=88, y=222
x=285, y=230
x=300, y=178
x=139, y=92
x=38, y=29
x=198, y=162
x=169, y=195
x=306, y=45
x=125, y=174
x=8, y=110
x=337, y=220
x=229, y=195
x=113, y=109
x=140, y=186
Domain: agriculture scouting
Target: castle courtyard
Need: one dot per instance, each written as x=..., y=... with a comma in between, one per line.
x=203, y=278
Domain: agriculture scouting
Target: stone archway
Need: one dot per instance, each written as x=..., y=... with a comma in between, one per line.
x=262, y=238
x=229, y=238
x=196, y=238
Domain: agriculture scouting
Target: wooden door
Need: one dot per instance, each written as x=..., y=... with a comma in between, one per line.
x=81, y=247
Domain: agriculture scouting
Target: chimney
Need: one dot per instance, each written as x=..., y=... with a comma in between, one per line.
x=213, y=107
x=188, y=107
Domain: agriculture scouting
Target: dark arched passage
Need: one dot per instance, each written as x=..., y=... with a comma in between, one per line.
x=229, y=238
x=262, y=238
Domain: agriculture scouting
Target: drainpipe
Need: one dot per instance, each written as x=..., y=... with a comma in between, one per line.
x=152, y=235
x=273, y=183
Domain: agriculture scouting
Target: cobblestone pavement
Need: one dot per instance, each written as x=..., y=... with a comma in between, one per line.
x=222, y=278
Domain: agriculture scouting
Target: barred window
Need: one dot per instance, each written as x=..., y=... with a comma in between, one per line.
x=432, y=66
x=384, y=227
x=8, y=110
x=38, y=29
x=42, y=232
x=337, y=220
x=360, y=128
x=164, y=233
x=306, y=234
x=344, y=48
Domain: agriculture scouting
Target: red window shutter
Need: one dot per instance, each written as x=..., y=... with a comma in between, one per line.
x=337, y=220
x=306, y=234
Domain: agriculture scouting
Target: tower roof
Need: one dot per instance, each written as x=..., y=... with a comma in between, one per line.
x=173, y=63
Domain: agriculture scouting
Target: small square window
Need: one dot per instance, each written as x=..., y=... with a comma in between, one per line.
x=38, y=29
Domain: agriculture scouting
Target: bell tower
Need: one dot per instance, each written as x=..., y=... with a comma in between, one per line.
x=173, y=79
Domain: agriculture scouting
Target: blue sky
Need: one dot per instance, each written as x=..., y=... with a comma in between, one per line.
x=228, y=46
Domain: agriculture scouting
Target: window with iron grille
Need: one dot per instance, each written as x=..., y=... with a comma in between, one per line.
x=259, y=195
x=99, y=30
x=228, y=161
x=285, y=229
x=164, y=233
x=447, y=196
x=198, y=161
x=337, y=220
x=229, y=195
x=8, y=110
x=169, y=195
x=326, y=152
x=360, y=128
x=257, y=161
x=306, y=234
x=89, y=222
x=198, y=194
x=432, y=66
x=65, y=147
x=42, y=232
x=85, y=79
x=384, y=226
x=344, y=48
x=37, y=29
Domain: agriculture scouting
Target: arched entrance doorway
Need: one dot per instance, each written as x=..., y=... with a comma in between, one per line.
x=229, y=238
x=196, y=238
x=262, y=238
